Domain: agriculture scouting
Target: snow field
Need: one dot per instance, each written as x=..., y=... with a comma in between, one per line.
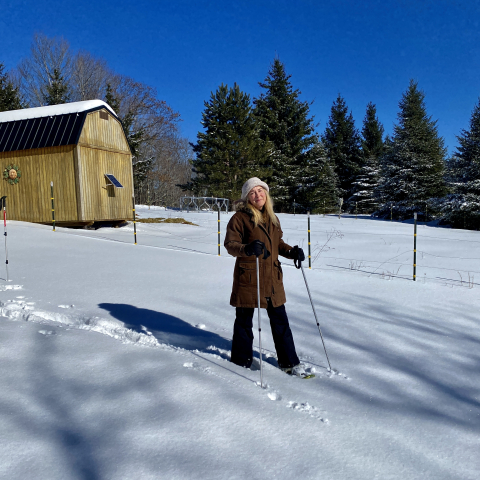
x=154, y=395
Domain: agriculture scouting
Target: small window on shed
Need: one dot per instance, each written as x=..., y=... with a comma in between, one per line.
x=103, y=115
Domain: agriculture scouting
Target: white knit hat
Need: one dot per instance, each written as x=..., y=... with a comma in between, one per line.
x=252, y=183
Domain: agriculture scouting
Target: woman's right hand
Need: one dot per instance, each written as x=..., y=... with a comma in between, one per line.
x=256, y=248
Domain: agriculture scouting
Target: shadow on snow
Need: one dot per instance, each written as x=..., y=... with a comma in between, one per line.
x=174, y=331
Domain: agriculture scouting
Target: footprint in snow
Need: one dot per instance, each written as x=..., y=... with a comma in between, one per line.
x=274, y=396
x=220, y=352
x=336, y=373
x=47, y=333
x=308, y=409
x=16, y=305
x=196, y=366
x=4, y=288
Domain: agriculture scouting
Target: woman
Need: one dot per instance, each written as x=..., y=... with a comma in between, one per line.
x=255, y=230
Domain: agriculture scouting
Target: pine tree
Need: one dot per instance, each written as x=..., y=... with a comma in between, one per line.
x=111, y=99
x=142, y=160
x=284, y=120
x=366, y=186
x=9, y=94
x=57, y=91
x=413, y=164
x=468, y=151
x=230, y=150
x=318, y=191
x=462, y=207
x=342, y=143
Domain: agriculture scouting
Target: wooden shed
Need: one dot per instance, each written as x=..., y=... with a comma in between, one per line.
x=81, y=147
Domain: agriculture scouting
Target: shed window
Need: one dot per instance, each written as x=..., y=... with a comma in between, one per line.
x=103, y=115
x=113, y=181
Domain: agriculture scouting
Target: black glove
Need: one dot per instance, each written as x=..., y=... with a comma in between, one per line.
x=297, y=254
x=257, y=248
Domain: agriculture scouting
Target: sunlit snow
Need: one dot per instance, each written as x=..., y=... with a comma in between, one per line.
x=115, y=357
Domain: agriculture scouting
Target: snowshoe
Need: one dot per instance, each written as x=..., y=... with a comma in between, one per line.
x=298, y=371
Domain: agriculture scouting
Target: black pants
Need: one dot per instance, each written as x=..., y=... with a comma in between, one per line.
x=242, y=343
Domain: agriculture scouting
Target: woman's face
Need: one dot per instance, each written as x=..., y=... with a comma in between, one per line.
x=257, y=197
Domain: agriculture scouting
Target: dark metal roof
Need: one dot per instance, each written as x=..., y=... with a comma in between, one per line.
x=41, y=132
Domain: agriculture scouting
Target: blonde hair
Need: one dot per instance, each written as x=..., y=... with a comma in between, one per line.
x=267, y=214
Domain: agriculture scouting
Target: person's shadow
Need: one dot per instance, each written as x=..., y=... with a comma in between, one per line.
x=167, y=328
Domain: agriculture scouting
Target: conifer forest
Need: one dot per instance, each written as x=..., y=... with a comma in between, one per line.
x=347, y=167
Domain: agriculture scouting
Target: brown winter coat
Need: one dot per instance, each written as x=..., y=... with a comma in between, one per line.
x=241, y=231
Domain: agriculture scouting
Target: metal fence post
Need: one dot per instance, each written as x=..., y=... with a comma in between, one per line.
x=53, y=205
x=218, y=230
x=134, y=221
x=3, y=204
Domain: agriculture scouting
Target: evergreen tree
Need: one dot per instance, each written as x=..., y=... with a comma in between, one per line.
x=462, y=207
x=230, y=150
x=413, y=164
x=318, y=191
x=9, y=94
x=57, y=91
x=284, y=120
x=142, y=159
x=342, y=143
x=366, y=186
x=468, y=152
x=112, y=99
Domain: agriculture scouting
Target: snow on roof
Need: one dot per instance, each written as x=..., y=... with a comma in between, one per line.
x=53, y=110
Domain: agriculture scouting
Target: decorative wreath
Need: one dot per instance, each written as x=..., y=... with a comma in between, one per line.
x=12, y=174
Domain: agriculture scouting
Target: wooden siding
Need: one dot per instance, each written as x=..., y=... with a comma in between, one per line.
x=100, y=201
x=29, y=200
x=107, y=134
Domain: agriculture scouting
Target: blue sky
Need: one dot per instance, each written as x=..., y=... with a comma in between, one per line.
x=365, y=50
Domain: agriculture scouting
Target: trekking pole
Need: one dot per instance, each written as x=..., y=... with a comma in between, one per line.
x=314, y=312
x=415, y=247
x=259, y=324
x=3, y=205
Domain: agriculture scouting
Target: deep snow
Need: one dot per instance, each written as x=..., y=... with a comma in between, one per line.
x=115, y=356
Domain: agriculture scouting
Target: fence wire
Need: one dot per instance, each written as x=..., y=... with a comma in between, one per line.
x=323, y=246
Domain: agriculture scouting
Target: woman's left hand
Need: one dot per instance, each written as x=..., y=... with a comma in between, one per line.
x=297, y=254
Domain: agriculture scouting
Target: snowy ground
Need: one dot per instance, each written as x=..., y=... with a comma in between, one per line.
x=115, y=356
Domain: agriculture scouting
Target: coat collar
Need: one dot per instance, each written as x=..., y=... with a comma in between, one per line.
x=241, y=206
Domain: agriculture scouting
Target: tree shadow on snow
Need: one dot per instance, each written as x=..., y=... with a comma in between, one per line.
x=437, y=361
